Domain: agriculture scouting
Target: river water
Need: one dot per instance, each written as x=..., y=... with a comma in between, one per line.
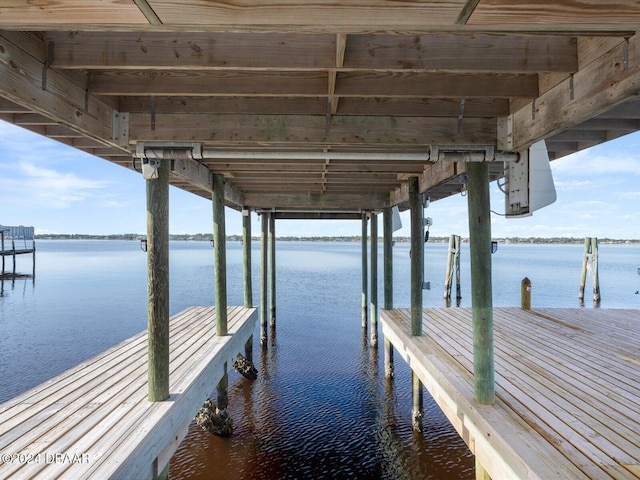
x=321, y=407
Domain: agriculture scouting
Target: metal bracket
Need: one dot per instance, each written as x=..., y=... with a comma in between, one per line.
x=120, y=128
x=426, y=285
x=169, y=150
x=47, y=63
x=470, y=153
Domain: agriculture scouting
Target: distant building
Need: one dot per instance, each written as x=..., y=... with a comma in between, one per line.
x=18, y=232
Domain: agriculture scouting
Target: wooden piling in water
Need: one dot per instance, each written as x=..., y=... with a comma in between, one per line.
x=417, y=402
x=525, y=294
x=481, y=292
x=246, y=257
x=590, y=260
x=272, y=269
x=263, y=278
x=158, y=283
x=246, y=267
x=365, y=275
x=387, y=224
x=220, y=254
x=373, y=311
x=417, y=256
x=453, y=269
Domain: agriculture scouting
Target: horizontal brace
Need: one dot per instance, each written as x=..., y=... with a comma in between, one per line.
x=289, y=155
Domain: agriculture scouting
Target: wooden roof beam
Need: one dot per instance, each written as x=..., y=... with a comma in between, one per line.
x=474, y=52
x=314, y=84
x=411, y=107
x=328, y=201
x=601, y=85
x=311, y=131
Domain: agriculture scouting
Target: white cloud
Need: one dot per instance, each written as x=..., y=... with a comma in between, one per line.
x=51, y=188
x=589, y=163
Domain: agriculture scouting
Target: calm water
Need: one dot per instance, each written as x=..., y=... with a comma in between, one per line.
x=321, y=407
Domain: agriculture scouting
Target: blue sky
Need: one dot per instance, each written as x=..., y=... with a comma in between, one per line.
x=58, y=189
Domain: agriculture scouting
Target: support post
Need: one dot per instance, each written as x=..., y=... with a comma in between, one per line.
x=246, y=266
x=525, y=294
x=263, y=279
x=158, y=283
x=13, y=246
x=387, y=220
x=272, y=268
x=365, y=274
x=481, y=292
x=373, y=311
x=417, y=402
x=417, y=256
x=246, y=257
x=220, y=254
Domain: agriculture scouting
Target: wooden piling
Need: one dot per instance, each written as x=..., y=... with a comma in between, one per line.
x=220, y=254
x=246, y=267
x=417, y=256
x=590, y=259
x=481, y=292
x=417, y=402
x=263, y=278
x=246, y=257
x=373, y=311
x=13, y=246
x=525, y=294
x=365, y=274
x=387, y=221
x=594, y=271
x=272, y=268
x=222, y=401
x=158, y=283
x=453, y=269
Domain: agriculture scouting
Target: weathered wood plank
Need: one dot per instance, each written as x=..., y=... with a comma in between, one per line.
x=100, y=407
x=312, y=130
x=565, y=372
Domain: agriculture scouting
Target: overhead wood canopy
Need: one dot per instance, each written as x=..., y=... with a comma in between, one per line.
x=351, y=77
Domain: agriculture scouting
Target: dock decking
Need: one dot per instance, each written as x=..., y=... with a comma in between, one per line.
x=567, y=388
x=94, y=420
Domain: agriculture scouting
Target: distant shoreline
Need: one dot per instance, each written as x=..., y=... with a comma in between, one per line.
x=205, y=237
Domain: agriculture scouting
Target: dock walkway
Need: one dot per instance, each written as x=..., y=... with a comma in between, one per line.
x=567, y=388
x=94, y=421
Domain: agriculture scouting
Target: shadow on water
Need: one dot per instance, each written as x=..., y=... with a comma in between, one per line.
x=316, y=412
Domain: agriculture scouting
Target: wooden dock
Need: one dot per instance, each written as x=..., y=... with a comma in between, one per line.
x=94, y=421
x=567, y=388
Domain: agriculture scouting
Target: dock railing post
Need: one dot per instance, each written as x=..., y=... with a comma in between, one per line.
x=373, y=311
x=272, y=268
x=264, y=304
x=525, y=294
x=583, y=272
x=481, y=292
x=158, y=283
x=220, y=254
x=365, y=274
x=387, y=221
